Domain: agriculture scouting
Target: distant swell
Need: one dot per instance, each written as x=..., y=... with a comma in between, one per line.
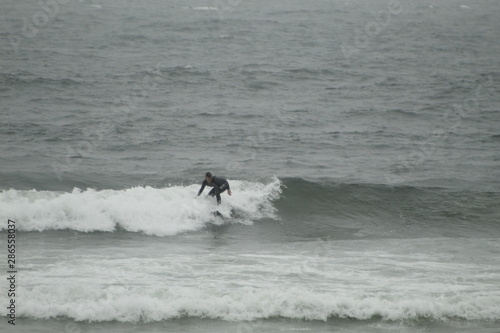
x=28, y=79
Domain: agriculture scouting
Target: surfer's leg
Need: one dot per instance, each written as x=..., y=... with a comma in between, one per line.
x=218, y=191
x=217, y=194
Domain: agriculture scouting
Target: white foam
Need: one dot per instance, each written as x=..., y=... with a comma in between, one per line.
x=154, y=280
x=129, y=285
x=153, y=211
x=155, y=303
x=204, y=8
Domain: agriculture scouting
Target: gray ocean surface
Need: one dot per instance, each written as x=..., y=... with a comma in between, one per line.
x=360, y=138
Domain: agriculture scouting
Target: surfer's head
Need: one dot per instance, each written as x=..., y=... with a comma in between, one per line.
x=208, y=176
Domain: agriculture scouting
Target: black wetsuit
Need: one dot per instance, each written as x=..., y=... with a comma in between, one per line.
x=219, y=185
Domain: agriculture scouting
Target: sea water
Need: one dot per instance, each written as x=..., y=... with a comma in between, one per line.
x=360, y=140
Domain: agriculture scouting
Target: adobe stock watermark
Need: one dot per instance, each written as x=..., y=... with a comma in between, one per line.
x=250, y=327
x=128, y=103
x=316, y=260
x=224, y=7
x=72, y=328
x=47, y=11
x=454, y=113
x=84, y=148
x=95, y=135
x=248, y=150
x=382, y=19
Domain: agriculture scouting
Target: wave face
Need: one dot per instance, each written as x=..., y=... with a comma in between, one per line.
x=372, y=210
x=152, y=211
x=307, y=209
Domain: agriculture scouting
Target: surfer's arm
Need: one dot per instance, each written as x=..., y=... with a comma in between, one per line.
x=228, y=188
x=202, y=187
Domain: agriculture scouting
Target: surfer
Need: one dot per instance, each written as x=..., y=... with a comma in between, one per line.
x=219, y=185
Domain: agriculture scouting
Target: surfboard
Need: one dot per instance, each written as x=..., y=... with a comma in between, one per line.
x=217, y=213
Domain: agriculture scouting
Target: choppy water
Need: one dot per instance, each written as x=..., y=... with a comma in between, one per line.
x=360, y=140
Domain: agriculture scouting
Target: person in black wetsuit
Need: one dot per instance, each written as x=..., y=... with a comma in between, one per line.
x=219, y=185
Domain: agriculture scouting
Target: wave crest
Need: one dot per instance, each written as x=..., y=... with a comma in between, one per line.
x=152, y=211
